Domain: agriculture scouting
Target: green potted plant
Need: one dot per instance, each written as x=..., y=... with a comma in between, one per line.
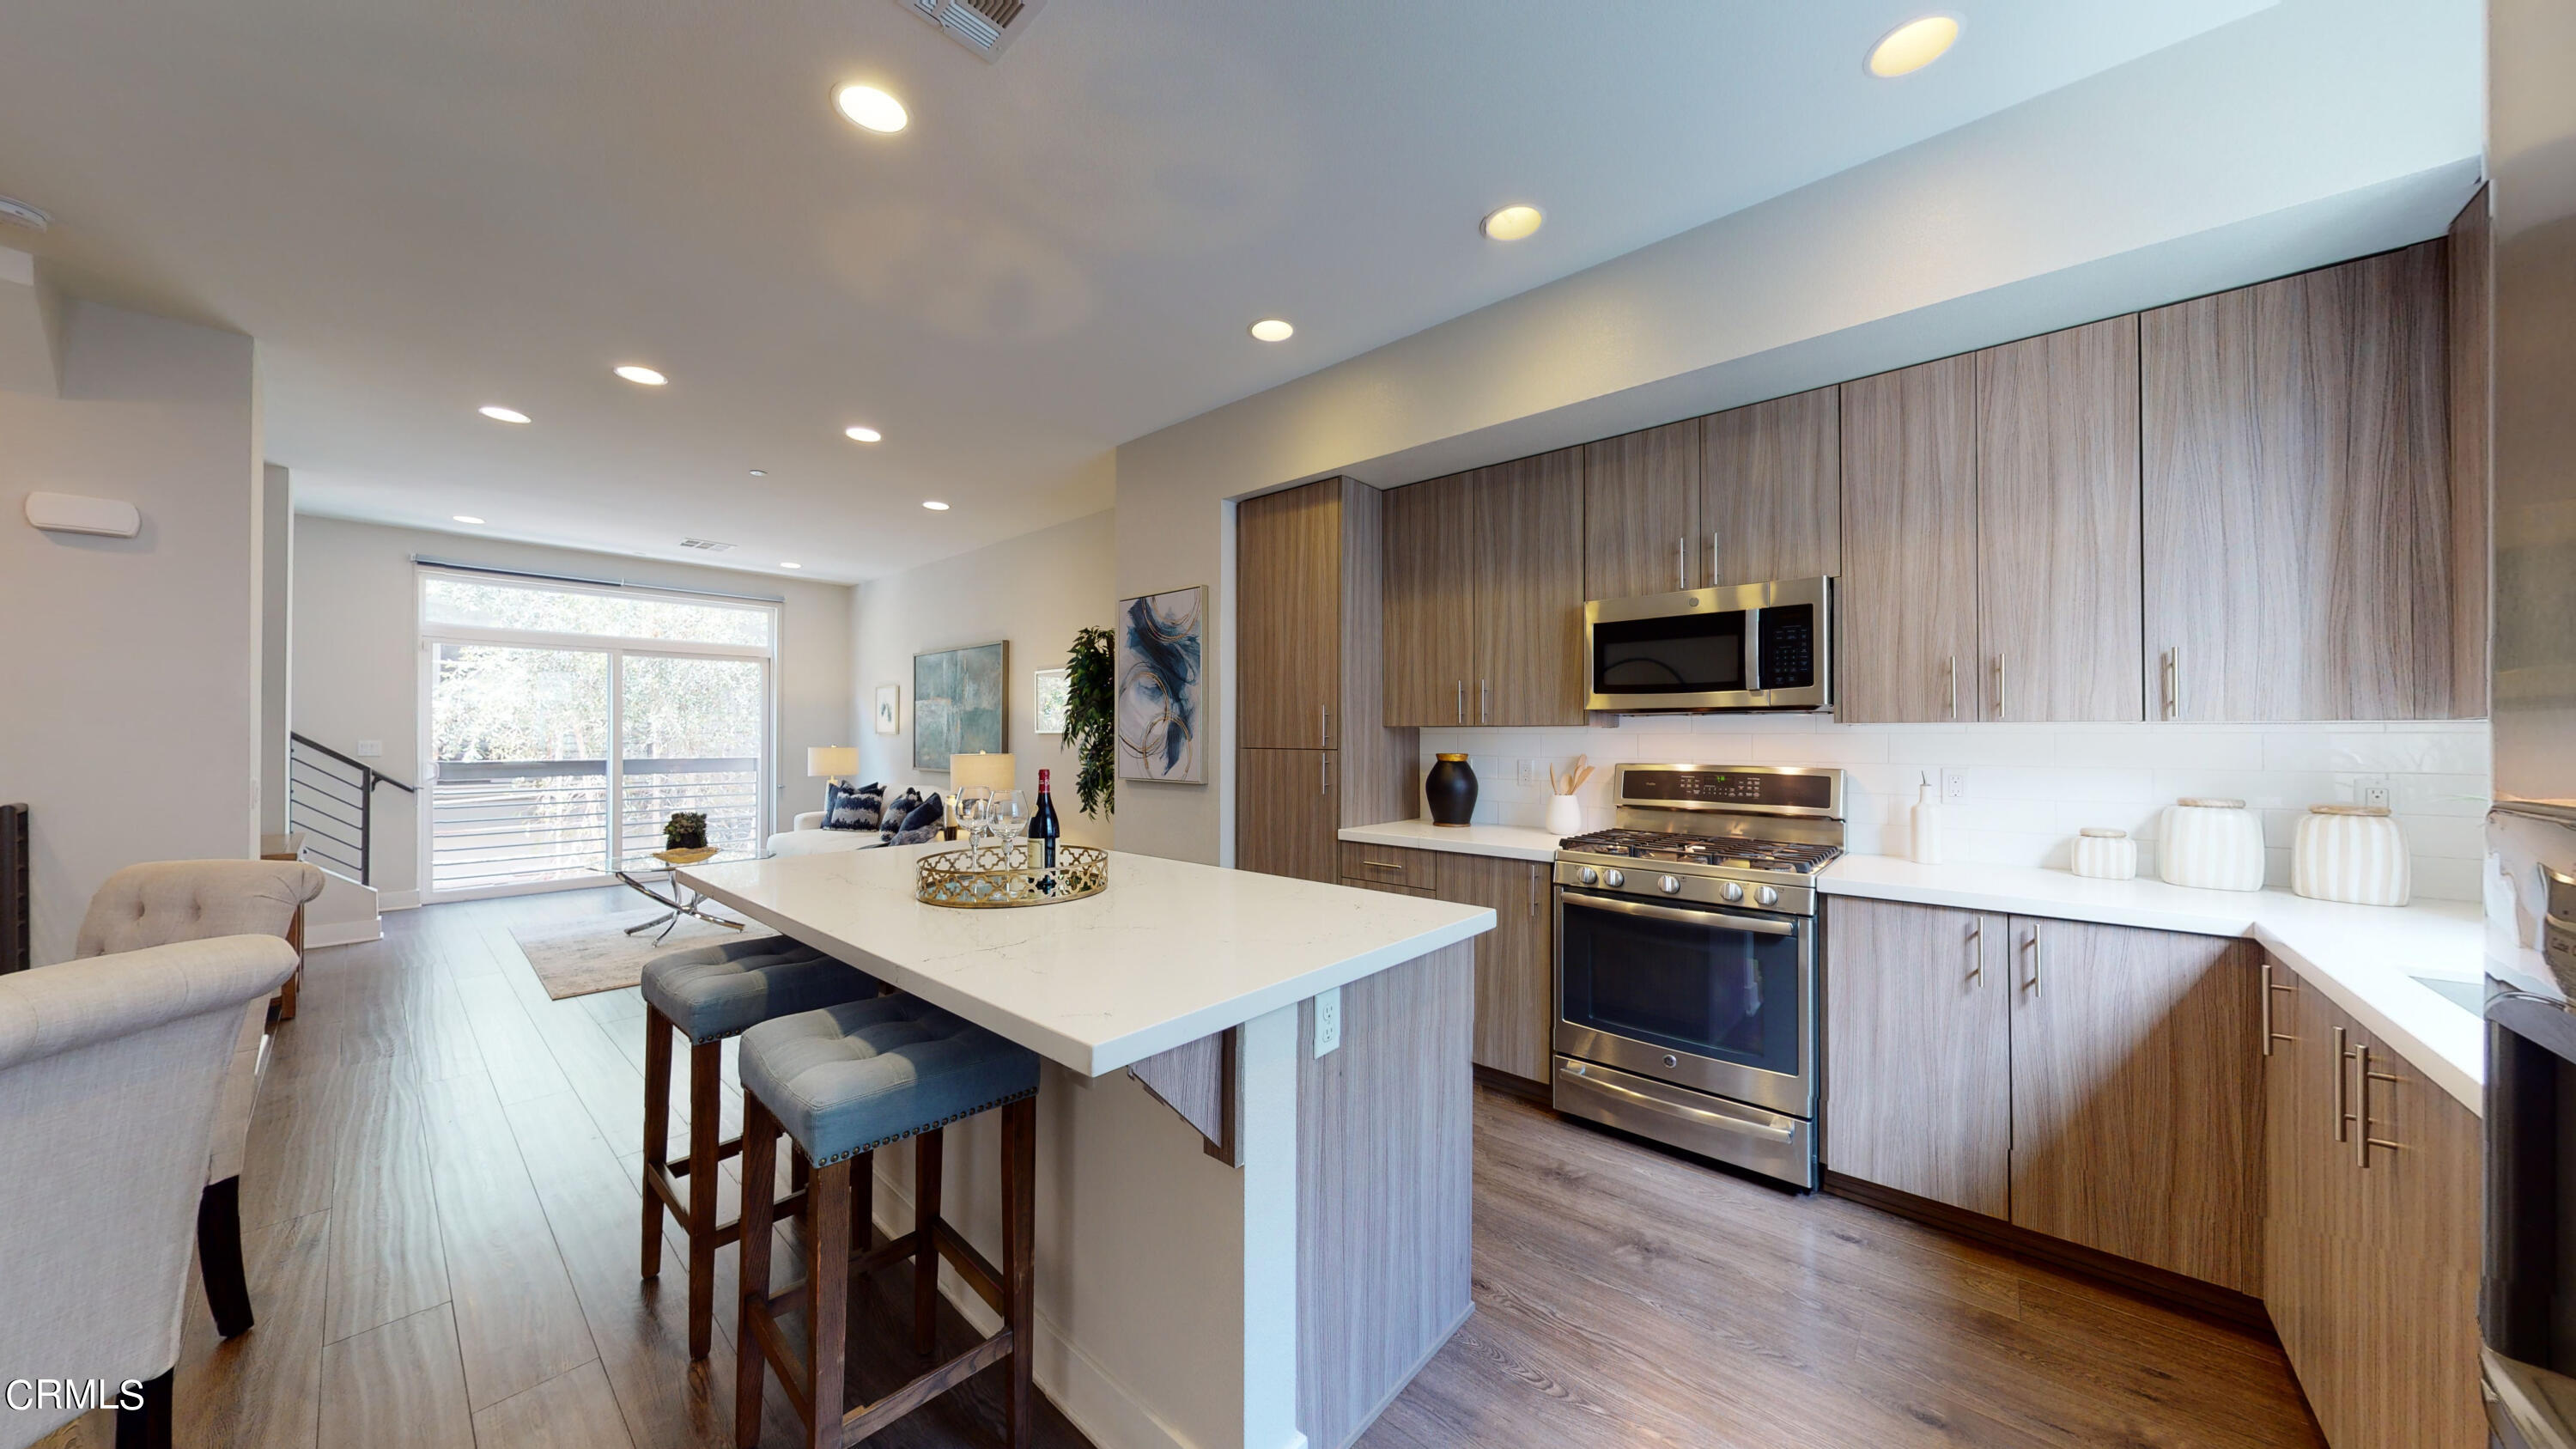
x=1091, y=720
x=686, y=830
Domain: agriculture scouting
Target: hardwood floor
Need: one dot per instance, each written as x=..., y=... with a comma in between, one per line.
x=441, y=1198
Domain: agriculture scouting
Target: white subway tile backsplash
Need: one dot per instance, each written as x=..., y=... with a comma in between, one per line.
x=2032, y=786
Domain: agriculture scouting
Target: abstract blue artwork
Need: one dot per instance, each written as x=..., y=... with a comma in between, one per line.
x=1160, y=646
x=959, y=704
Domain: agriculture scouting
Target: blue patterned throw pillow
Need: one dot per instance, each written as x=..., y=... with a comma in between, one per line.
x=918, y=824
x=848, y=807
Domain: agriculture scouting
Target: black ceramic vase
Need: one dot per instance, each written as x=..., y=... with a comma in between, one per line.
x=1450, y=789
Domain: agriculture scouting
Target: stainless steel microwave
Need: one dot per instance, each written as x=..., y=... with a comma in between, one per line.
x=1753, y=646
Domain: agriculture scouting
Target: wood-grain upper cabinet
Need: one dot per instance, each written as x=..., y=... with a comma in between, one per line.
x=1515, y=962
x=1771, y=490
x=2370, y=1273
x=1920, y=1087
x=1528, y=564
x=1484, y=596
x=1288, y=817
x=2137, y=1095
x=2058, y=590
x=2299, y=509
x=1430, y=603
x=1909, y=543
x=1641, y=513
x=1288, y=573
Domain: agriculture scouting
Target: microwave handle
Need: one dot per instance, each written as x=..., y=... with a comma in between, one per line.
x=1759, y=925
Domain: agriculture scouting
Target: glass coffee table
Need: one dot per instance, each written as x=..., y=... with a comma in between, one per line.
x=680, y=900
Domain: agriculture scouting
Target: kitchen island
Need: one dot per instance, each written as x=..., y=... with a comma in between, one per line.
x=1243, y=1240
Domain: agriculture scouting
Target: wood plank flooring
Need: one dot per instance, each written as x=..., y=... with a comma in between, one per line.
x=441, y=1196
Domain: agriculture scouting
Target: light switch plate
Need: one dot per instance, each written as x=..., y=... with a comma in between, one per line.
x=1954, y=786
x=367, y=749
x=1328, y=1020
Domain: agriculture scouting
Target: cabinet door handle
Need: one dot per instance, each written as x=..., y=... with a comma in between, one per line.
x=1462, y=701
x=1999, y=686
x=2269, y=986
x=2342, y=1099
x=2361, y=1120
x=2034, y=963
x=1977, y=950
x=1484, y=701
x=2173, y=682
x=1681, y=562
x=1324, y=725
x=1324, y=774
x=1954, y=686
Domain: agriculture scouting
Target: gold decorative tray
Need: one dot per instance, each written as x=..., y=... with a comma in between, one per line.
x=989, y=876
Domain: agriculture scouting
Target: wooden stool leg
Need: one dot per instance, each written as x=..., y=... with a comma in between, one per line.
x=657, y=1129
x=759, y=1159
x=928, y=1156
x=706, y=1123
x=1019, y=1260
x=799, y=1171
x=827, y=1298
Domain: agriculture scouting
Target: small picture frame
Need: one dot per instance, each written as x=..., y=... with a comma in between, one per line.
x=1055, y=689
x=889, y=708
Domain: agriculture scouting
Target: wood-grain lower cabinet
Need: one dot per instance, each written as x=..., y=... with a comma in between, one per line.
x=1908, y=602
x=1917, y=1010
x=1515, y=962
x=1287, y=813
x=2370, y=1272
x=2137, y=1095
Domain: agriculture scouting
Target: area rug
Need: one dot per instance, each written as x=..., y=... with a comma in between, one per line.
x=593, y=953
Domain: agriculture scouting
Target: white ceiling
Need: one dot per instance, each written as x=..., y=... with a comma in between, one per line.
x=421, y=209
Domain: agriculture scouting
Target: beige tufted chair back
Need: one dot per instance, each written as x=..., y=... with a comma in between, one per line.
x=189, y=900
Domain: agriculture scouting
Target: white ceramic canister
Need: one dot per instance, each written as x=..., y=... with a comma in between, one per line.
x=2351, y=853
x=2217, y=844
x=2106, y=853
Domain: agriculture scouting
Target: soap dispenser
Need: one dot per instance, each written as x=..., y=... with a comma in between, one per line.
x=1927, y=825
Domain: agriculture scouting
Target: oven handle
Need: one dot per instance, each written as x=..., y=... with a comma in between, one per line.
x=1760, y=925
x=1676, y=1109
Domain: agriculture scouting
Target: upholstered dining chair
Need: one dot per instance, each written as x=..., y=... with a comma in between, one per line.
x=191, y=900
x=111, y=1074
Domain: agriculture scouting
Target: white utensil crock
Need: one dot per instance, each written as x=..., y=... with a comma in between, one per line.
x=1564, y=815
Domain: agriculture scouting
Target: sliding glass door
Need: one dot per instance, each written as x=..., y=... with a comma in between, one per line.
x=566, y=724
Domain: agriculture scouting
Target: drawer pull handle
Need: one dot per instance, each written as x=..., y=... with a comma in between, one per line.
x=2269, y=986
x=1383, y=864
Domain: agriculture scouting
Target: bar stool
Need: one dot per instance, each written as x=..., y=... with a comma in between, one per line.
x=710, y=993
x=843, y=1082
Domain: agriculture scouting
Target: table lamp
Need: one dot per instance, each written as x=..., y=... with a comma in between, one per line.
x=989, y=772
x=833, y=762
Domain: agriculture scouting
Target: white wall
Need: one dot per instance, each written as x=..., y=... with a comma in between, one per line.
x=1035, y=591
x=2313, y=131
x=357, y=663
x=129, y=668
x=2031, y=787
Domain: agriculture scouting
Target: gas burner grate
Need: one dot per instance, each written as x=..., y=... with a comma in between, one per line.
x=1712, y=849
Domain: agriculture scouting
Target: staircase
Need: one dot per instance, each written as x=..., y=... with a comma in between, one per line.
x=330, y=822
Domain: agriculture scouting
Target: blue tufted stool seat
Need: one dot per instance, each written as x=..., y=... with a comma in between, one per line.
x=709, y=993
x=842, y=1082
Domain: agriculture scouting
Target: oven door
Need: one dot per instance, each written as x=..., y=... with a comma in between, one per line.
x=1719, y=1000
x=1755, y=646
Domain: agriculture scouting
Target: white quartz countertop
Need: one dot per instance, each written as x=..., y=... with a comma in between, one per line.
x=1509, y=842
x=1170, y=952
x=2365, y=958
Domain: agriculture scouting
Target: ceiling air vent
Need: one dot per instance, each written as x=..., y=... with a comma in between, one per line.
x=705, y=545
x=986, y=27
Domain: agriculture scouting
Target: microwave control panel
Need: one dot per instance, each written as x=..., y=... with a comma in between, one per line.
x=1788, y=644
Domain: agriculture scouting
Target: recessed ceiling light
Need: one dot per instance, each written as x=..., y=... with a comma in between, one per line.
x=871, y=109
x=1271, y=329
x=863, y=434
x=642, y=376
x=934, y=505
x=501, y=414
x=760, y=472
x=1913, y=45
x=791, y=566
x=467, y=518
x=1511, y=223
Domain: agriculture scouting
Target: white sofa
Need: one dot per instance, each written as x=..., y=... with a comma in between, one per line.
x=810, y=838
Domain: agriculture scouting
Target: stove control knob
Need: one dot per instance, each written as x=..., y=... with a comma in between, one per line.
x=1732, y=890
x=1671, y=885
x=1614, y=878
x=1766, y=897
x=1588, y=876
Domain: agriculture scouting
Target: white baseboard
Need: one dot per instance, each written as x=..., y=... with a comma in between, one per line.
x=343, y=933
x=1100, y=1406
x=397, y=900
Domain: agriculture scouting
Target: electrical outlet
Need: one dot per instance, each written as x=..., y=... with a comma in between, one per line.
x=367, y=749
x=1328, y=1021
x=1526, y=773
x=2374, y=791
x=1954, y=786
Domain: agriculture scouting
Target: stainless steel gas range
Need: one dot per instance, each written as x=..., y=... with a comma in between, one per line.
x=1687, y=1007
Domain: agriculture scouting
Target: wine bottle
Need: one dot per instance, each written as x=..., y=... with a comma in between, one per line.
x=1044, y=831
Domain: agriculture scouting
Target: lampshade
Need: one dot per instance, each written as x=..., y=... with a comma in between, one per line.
x=992, y=772
x=836, y=760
